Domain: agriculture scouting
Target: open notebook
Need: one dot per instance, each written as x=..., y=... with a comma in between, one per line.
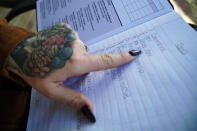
x=158, y=91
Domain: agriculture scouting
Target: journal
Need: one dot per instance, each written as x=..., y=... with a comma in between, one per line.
x=157, y=91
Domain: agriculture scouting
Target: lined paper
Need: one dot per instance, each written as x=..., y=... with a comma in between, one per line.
x=157, y=91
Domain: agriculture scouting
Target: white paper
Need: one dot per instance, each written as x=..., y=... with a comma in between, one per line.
x=157, y=91
x=94, y=18
x=135, y=12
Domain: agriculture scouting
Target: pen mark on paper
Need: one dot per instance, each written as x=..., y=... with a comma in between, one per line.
x=158, y=42
x=116, y=74
x=181, y=49
x=139, y=66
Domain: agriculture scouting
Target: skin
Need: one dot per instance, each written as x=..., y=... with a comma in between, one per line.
x=46, y=59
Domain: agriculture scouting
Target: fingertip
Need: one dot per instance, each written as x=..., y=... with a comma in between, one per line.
x=88, y=113
x=86, y=108
x=85, y=101
x=76, y=34
x=68, y=26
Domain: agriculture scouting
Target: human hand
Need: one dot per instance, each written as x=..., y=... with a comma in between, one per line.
x=46, y=59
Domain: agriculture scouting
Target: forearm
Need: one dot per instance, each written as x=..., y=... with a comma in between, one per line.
x=10, y=37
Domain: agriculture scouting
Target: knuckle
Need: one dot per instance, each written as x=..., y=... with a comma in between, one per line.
x=76, y=99
x=62, y=24
x=76, y=34
x=74, y=60
x=74, y=66
x=65, y=25
x=105, y=60
x=49, y=93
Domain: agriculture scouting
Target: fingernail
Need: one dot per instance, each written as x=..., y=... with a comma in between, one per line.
x=135, y=52
x=88, y=114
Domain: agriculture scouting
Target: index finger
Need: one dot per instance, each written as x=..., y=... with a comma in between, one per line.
x=93, y=63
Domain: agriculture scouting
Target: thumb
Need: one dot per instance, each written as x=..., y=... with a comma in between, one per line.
x=58, y=91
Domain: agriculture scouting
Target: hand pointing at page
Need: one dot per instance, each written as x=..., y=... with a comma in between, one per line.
x=46, y=59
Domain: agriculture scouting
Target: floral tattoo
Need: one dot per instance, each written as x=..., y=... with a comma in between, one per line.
x=43, y=52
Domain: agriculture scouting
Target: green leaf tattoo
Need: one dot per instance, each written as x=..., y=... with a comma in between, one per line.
x=43, y=52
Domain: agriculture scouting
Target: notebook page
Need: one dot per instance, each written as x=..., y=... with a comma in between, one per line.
x=158, y=91
x=135, y=12
x=93, y=18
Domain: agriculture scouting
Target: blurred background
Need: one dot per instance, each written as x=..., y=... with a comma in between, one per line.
x=186, y=8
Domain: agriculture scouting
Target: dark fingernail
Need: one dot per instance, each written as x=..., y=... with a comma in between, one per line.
x=135, y=52
x=88, y=114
